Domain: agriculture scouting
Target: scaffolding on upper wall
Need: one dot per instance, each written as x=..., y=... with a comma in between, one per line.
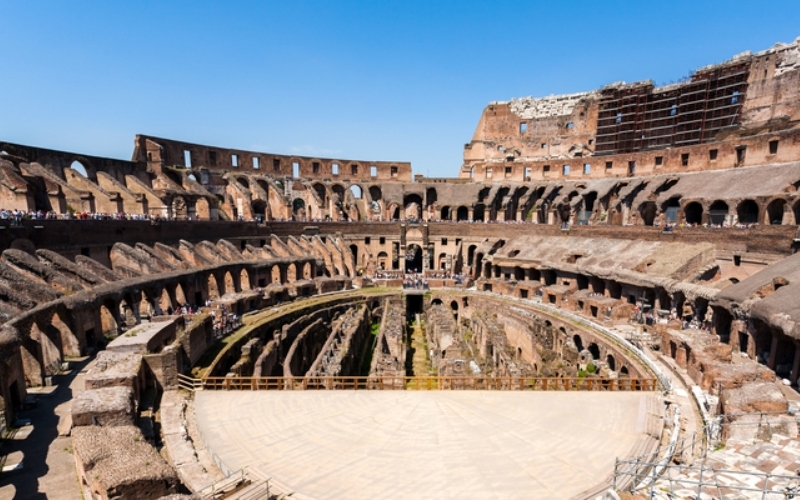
x=641, y=117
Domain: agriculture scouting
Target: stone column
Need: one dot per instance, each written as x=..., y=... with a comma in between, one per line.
x=795, y=364
x=773, y=352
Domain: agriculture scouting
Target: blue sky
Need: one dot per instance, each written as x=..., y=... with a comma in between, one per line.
x=371, y=80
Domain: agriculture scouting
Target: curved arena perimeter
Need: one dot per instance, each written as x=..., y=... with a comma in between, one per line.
x=602, y=301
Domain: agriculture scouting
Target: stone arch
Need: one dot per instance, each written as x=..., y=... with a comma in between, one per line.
x=30, y=352
x=462, y=214
x=230, y=284
x=322, y=193
x=50, y=351
x=611, y=362
x=375, y=193
x=299, y=208
x=164, y=301
x=307, y=272
x=747, y=212
x=129, y=310
x=259, y=209
x=578, y=341
x=357, y=191
x=276, y=274
x=79, y=166
x=291, y=272
x=693, y=212
x=775, y=211
x=471, y=254
x=412, y=203
x=213, y=287
x=718, y=212
x=478, y=265
x=70, y=344
x=431, y=196
x=595, y=350
x=383, y=260
x=179, y=208
x=648, y=212
x=444, y=213
x=479, y=212
x=180, y=295
x=244, y=280
x=109, y=318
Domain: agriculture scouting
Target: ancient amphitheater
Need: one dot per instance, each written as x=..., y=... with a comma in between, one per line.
x=602, y=304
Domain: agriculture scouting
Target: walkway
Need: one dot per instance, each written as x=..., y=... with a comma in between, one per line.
x=48, y=469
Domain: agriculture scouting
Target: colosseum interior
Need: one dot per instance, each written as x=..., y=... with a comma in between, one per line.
x=600, y=305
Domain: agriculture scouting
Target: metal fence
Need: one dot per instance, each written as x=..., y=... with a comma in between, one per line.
x=429, y=383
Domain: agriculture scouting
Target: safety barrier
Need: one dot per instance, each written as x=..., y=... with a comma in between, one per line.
x=429, y=383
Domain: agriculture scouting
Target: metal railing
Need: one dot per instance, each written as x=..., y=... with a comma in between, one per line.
x=188, y=383
x=429, y=383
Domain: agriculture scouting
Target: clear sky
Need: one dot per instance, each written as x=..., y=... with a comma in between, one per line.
x=368, y=80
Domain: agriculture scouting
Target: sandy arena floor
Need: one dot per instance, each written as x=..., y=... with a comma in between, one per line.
x=416, y=444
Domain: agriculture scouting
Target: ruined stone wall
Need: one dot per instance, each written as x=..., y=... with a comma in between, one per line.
x=735, y=109
x=159, y=152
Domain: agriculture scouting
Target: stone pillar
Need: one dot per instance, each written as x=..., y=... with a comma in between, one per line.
x=773, y=352
x=470, y=214
x=795, y=364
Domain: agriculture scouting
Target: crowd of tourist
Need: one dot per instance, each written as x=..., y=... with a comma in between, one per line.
x=17, y=216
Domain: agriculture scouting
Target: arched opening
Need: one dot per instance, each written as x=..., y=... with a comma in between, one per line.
x=276, y=274
x=375, y=193
x=291, y=273
x=578, y=341
x=717, y=213
x=244, y=280
x=471, y=254
x=612, y=364
x=80, y=168
x=49, y=348
x=647, y=211
x=163, y=304
x=747, y=212
x=445, y=213
x=213, y=289
x=357, y=192
x=442, y=261
x=670, y=209
x=230, y=286
x=430, y=197
x=180, y=295
x=259, y=209
x=180, y=210
x=414, y=259
x=109, y=325
x=623, y=371
x=413, y=206
x=383, y=261
x=462, y=214
x=694, y=213
x=321, y=193
x=775, y=211
x=478, y=212
x=299, y=208
x=478, y=265
x=354, y=256
x=594, y=350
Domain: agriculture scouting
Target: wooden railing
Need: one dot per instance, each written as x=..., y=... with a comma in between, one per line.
x=428, y=383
